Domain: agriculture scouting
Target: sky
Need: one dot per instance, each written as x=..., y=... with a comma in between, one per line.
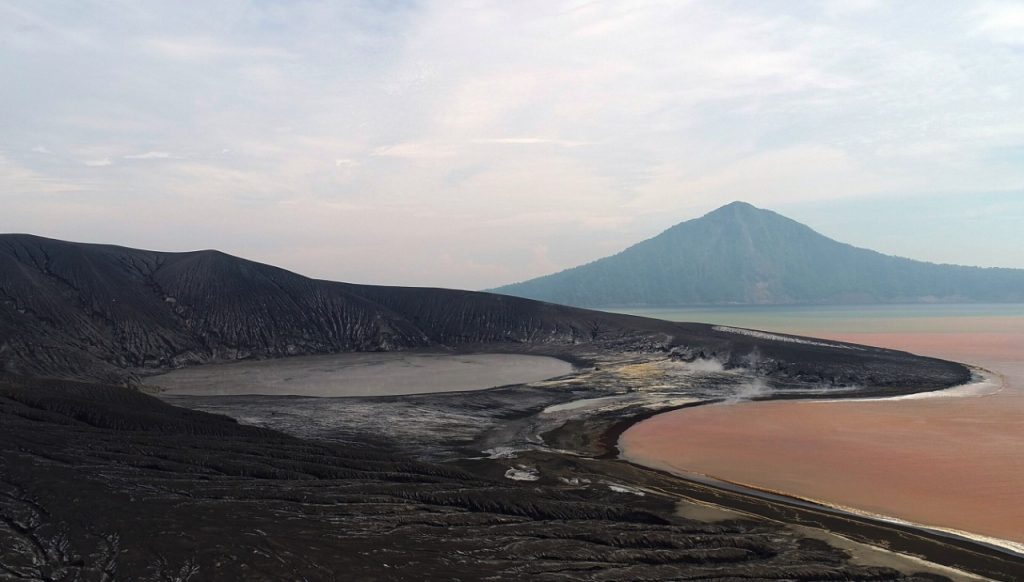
x=472, y=144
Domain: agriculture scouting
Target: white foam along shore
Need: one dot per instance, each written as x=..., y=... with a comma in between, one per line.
x=983, y=383
x=1008, y=546
x=1016, y=548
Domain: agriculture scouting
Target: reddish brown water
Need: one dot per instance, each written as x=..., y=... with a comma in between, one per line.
x=949, y=462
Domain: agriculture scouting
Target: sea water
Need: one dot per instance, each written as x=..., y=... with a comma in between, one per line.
x=954, y=461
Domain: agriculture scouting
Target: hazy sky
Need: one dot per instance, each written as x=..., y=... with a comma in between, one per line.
x=469, y=144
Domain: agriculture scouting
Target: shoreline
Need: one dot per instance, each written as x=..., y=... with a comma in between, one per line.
x=454, y=507
x=937, y=547
x=972, y=553
x=979, y=377
x=608, y=439
x=1009, y=547
x=856, y=528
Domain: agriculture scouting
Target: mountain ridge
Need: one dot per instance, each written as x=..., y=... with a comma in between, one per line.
x=111, y=314
x=101, y=312
x=741, y=254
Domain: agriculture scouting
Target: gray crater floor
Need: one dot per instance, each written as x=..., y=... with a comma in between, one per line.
x=360, y=374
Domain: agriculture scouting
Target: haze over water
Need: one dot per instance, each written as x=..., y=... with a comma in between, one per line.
x=951, y=462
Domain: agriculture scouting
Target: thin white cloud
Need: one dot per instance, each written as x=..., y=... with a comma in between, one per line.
x=844, y=8
x=17, y=181
x=1002, y=22
x=152, y=155
x=415, y=151
x=41, y=149
x=208, y=48
x=98, y=163
x=533, y=141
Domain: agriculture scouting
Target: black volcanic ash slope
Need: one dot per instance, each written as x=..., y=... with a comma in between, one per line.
x=742, y=254
x=98, y=312
x=83, y=310
x=70, y=308
x=101, y=483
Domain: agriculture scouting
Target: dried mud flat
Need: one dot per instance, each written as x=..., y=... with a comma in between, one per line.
x=106, y=483
x=360, y=374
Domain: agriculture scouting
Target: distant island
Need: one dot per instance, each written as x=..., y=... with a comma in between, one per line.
x=740, y=254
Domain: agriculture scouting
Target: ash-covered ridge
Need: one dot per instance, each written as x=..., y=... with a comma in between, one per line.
x=107, y=313
x=96, y=311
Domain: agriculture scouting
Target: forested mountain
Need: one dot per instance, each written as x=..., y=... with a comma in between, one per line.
x=740, y=254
